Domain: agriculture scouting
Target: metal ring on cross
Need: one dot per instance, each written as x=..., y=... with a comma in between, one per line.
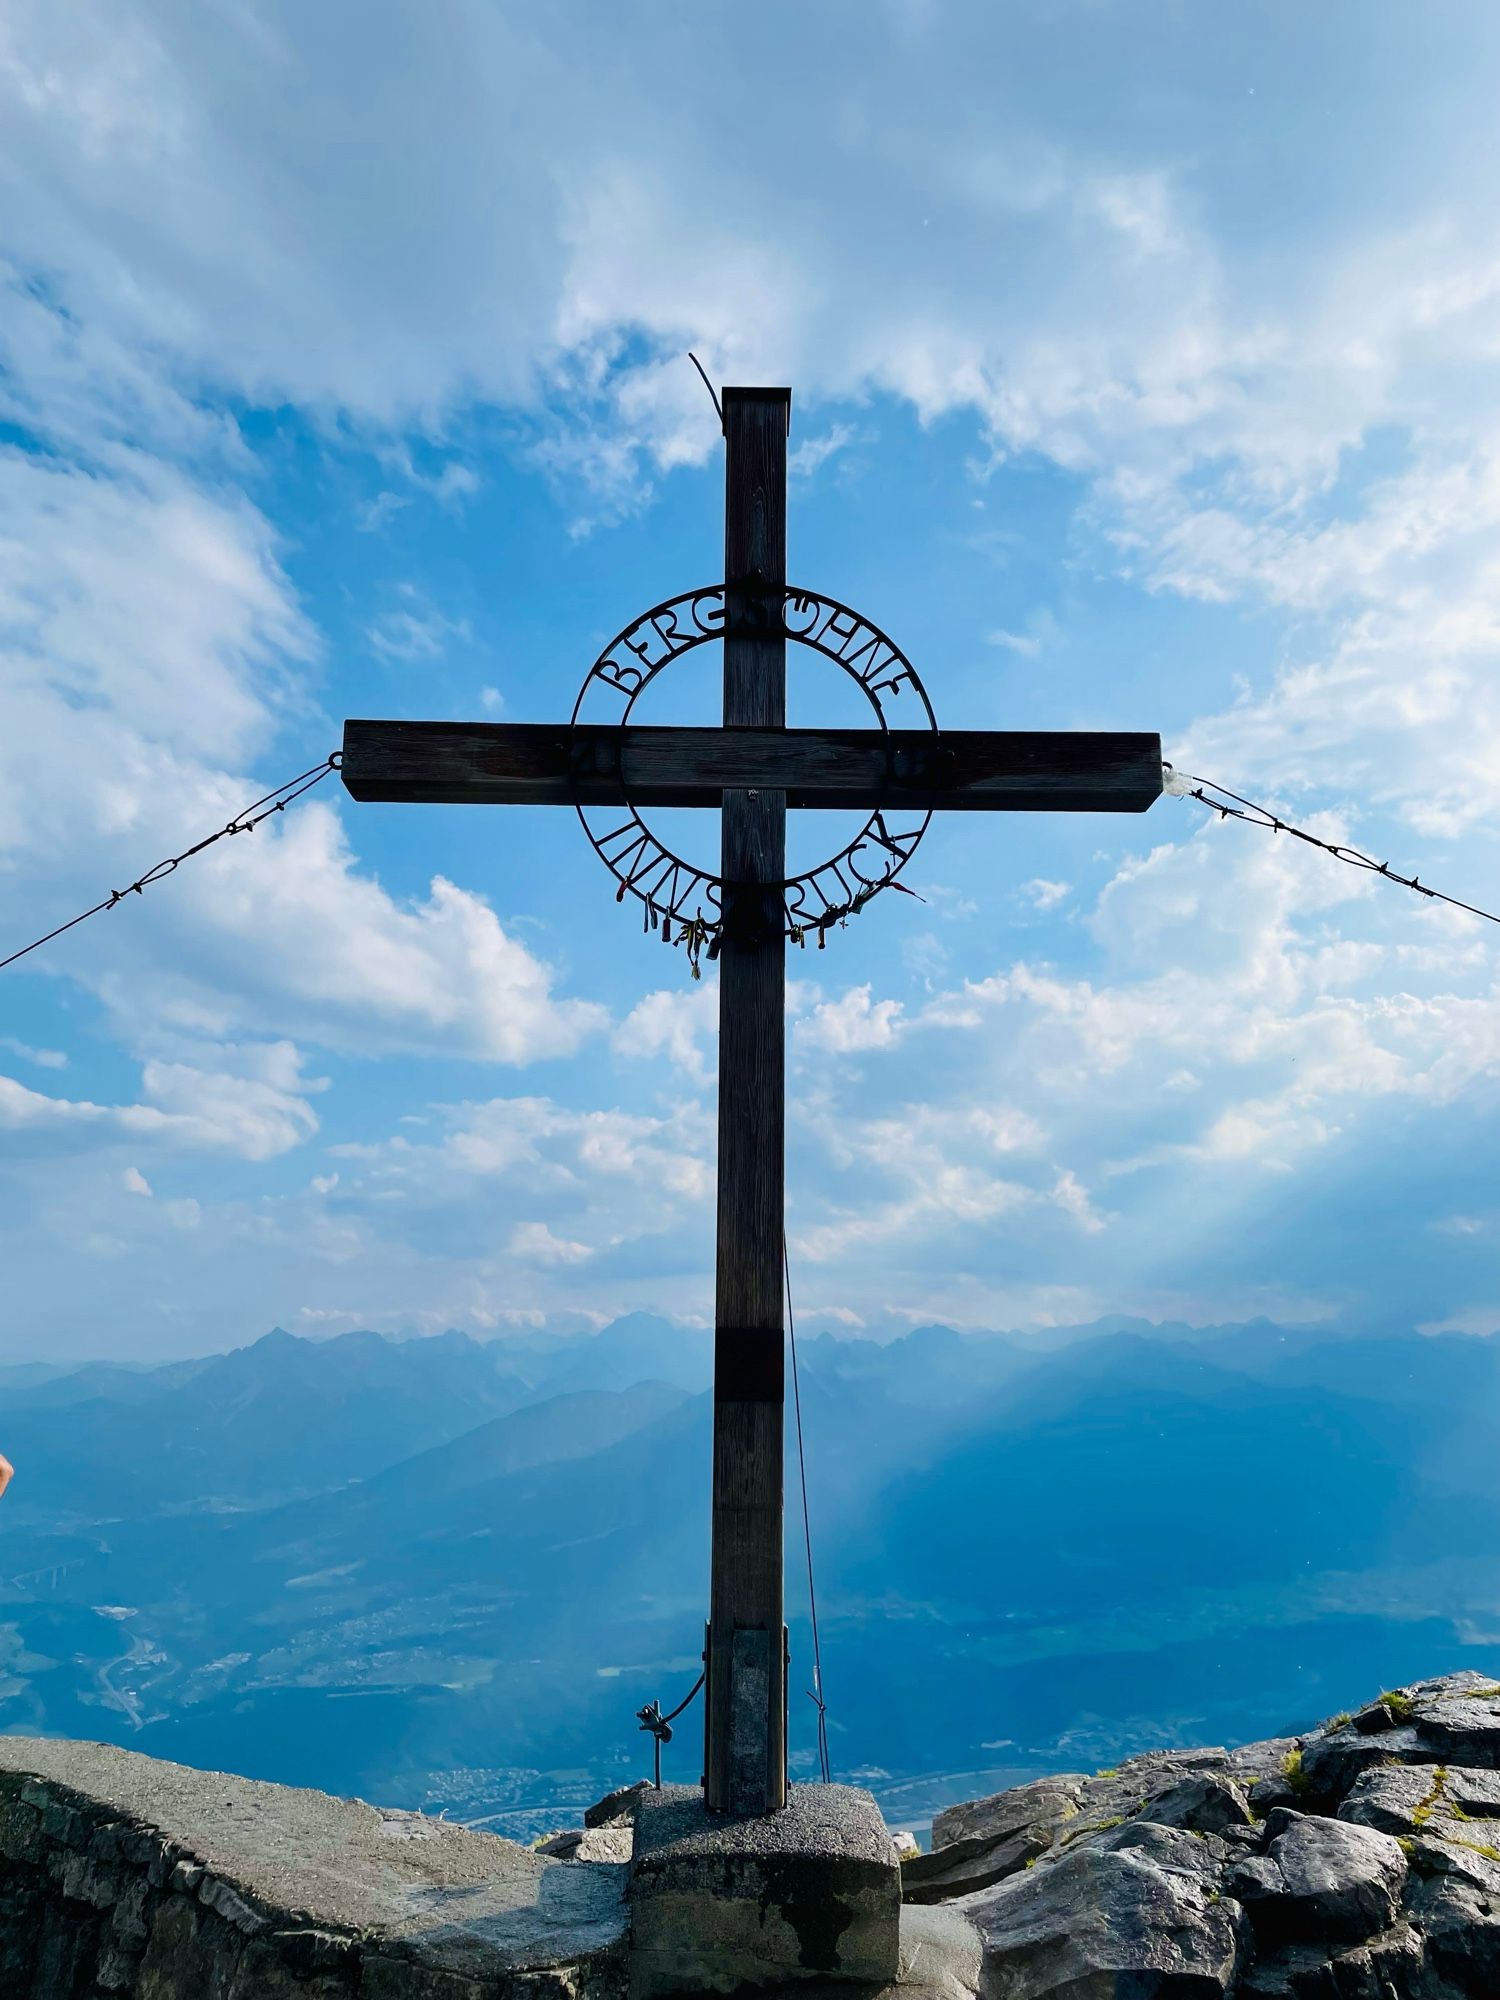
x=682, y=901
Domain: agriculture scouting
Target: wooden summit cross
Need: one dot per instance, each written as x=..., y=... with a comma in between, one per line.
x=751, y=769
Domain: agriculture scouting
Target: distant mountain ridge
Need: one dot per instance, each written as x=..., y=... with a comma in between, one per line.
x=281, y=1415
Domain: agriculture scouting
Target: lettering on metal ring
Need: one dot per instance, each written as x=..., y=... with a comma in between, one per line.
x=684, y=903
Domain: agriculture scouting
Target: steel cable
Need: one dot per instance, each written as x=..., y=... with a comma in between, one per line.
x=245, y=822
x=815, y=1692
x=1183, y=785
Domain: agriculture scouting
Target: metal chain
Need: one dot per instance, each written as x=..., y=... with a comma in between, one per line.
x=245, y=822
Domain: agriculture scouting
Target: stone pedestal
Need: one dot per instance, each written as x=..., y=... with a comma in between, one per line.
x=723, y=1904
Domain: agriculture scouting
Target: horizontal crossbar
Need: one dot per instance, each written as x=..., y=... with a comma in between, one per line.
x=966, y=770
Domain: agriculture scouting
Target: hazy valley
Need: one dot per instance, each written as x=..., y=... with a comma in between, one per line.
x=448, y=1573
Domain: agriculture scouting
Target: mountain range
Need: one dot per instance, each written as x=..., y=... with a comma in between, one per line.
x=446, y=1572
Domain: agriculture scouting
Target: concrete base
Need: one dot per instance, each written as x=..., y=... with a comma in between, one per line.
x=722, y=1904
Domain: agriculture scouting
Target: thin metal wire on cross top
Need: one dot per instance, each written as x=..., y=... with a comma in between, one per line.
x=264, y=808
x=1183, y=785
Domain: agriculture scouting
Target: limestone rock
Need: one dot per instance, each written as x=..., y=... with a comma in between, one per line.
x=1250, y=1762
x=940, y=1956
x=1134, y=1910
x=1457, y=1719
x=983, y=1841
x=1391, y=1797
x=1388, y=1967
x=1321, y=1880
x=1359, y=1861
x=590, y=1843
x=966, y=1865
x=616, y=1808
x=1175, y=1762
x=1139, y=1783
x=1375, y=1718
x=1208, y=1803
x=123, y=1875
x=1334, y=1762
x=1454, y=1901
x=1047, y=1802
x=1451, y=1721
x=1476, y=1793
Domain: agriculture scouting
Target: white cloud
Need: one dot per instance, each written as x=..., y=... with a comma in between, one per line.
x=1482, y=1322
x=921, y=1139
x=1286, y=409
x=549, y=1149
x=356, y=969
x=680, y=1023
x=1046, y=895
x=1024, y=643
x=414, y=630
x=812, y=453
x=956, y=1195
x=1039, y=635
x=190, y=183
x=373, y=515
x=928, y=1173
x=1068, y=294
x=853, y=1022
x=1071, y=1196
x=183, y=1107
x=404, y=1233
x=134, y=598
x=1108, y=303
x=147, y=639
x=449, y=485
x=844, y=1316
x=43, y=1058
x=535, y=1243
x=1267, y=1034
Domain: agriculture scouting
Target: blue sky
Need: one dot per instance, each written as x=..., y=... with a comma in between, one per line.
x=1144, y=360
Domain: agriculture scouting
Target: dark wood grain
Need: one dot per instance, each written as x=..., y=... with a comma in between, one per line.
x=964, y=770
x=745, y=1762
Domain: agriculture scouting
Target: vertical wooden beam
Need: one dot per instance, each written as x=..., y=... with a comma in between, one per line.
x=745, y=1764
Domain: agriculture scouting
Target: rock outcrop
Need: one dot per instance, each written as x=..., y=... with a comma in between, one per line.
x=1358, y=1862
x=138, y=1880
x=127, y=1877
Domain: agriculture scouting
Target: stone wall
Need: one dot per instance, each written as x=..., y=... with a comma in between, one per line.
x=122, y=1876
